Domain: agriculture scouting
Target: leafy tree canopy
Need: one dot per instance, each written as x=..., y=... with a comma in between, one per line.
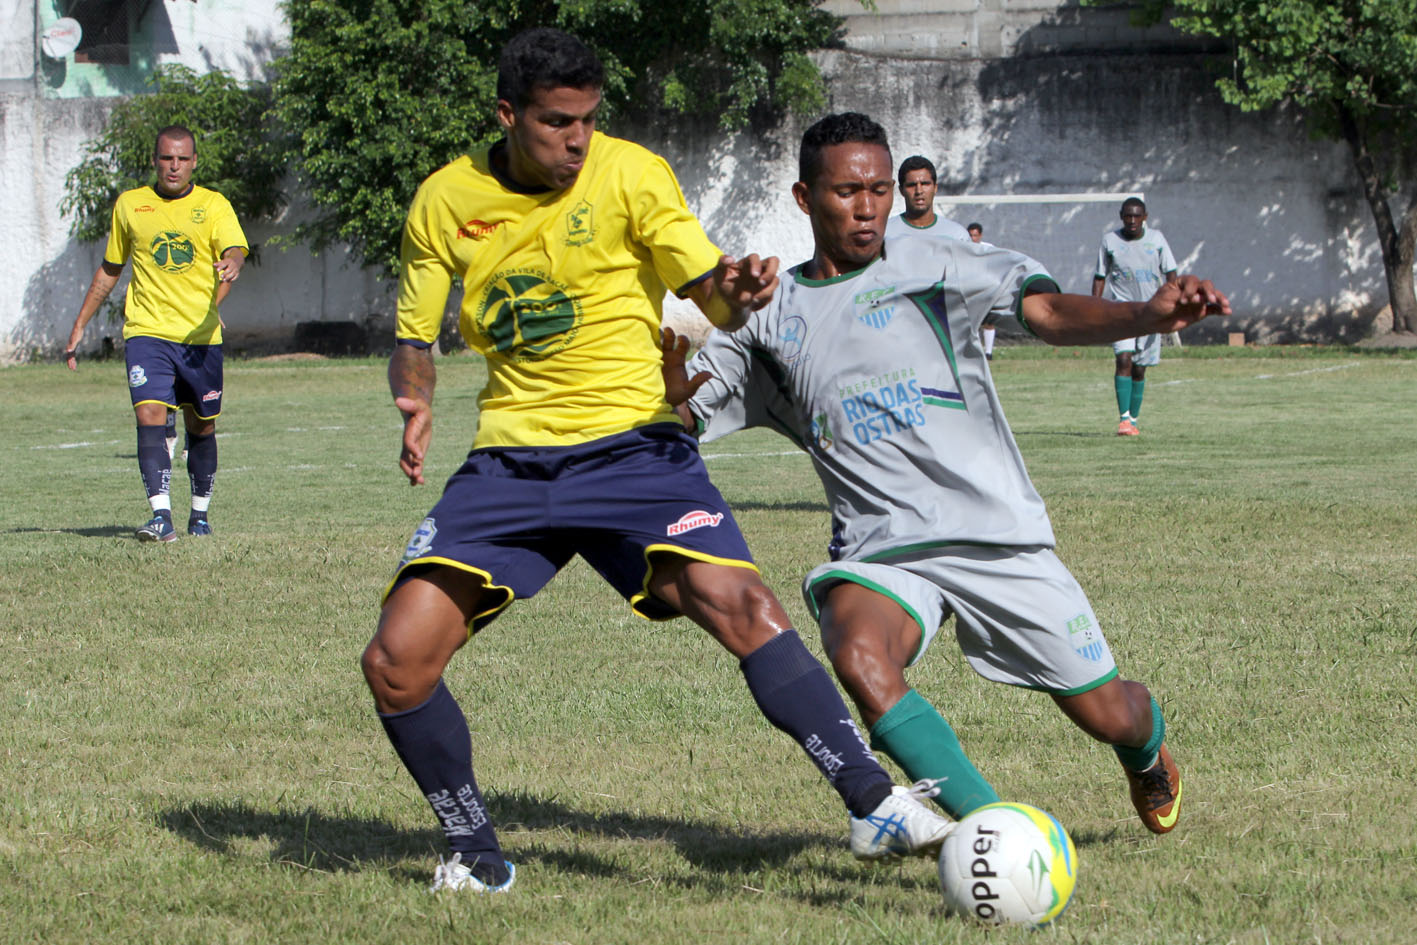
x=234, y=157
x=376, y=94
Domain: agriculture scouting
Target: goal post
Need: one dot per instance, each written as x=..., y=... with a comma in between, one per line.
x=1062, y=231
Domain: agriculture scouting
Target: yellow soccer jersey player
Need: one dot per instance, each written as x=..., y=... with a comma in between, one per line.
x=551, y=279
x=173, y=242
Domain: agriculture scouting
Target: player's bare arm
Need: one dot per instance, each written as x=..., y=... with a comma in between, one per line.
x=104, y=279
x=737, y=288
x=1066, y=319
x=1097, y=286
x=412, y=377
x=228, y=267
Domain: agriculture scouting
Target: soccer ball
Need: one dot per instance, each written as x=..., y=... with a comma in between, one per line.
x=1008, y=864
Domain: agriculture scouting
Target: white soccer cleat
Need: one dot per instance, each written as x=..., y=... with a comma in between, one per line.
x=452, y=874
x=901, y=825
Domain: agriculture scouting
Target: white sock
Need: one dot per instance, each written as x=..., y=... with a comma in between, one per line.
x=989, y=340
x=160, y=503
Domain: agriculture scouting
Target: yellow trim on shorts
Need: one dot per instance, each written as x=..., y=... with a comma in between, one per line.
x=163, y=402
x=449, y=562
x=682, y=552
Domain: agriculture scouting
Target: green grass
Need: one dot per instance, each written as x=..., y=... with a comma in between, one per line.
x=191, y=755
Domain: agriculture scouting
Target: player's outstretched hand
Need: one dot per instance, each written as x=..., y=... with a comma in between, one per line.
x=417, y=433
x=747, y=283
x=1185, y=302
x=678, y=385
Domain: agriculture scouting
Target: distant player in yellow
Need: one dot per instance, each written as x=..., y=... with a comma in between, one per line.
x=566, y=241
x=187, y=248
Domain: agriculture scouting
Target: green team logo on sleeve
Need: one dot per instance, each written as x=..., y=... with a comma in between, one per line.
x=173, y=252
x=527, y=316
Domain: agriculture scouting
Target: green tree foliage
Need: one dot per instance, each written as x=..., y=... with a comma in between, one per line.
x=235, y=156
x=1351, y=65
x=376, y=94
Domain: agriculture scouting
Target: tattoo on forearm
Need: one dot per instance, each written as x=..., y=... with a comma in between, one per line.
x=412, y=374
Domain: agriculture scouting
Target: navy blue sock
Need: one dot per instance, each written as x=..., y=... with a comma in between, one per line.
x=153, y=461
x=201, y=463
x=434, y=744
x=795, y=694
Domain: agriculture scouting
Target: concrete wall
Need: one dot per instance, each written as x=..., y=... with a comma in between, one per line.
x=1275, y=218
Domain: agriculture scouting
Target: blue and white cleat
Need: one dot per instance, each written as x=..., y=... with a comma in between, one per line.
x=452, y=874
x=901, y=825
x=198, y=526
x=158, y=528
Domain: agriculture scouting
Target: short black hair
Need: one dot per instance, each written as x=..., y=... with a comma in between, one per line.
x=545, y=58
x=840, y=128
x=176, y=131
x=975, y=226
x=1134, y=202
x=915, y=163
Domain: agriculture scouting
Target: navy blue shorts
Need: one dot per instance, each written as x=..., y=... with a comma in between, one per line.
x=171, y=373
x=513, y=517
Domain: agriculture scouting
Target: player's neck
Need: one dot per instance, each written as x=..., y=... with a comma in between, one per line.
x=165, y=195
x=1136, y=236
x=923, y=219
x=500, y=163
x=823, y=268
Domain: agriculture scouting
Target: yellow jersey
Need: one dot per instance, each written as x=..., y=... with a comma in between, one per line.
x=563, y=290
x=173, y=242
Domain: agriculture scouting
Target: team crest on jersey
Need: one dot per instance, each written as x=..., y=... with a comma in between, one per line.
x=822, y=432
x=526, y=315
x=580, y=224
x=877, y=318
x=422, y=539
x=137, y=377
x=199, y=214
x=173, y=252
x=692, y=520
x=1085, y=638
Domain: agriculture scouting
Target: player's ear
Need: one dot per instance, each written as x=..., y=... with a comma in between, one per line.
x=803, y=195
x=506, y=114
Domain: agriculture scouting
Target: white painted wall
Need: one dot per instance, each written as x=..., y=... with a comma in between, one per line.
x=1276, y=218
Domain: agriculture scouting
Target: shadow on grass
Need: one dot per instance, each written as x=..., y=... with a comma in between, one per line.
x=756, y=506
x=98, y=531
x=1086, y=435
x=536, y=830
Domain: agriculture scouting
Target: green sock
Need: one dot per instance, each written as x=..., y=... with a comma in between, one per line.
x=916, y=737
x=1139, y=759
x=1134, y=405
x=1124, y=393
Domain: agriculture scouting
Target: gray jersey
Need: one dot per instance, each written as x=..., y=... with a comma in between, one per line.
x=943, y=227
x=1134, y=269
x=879, y=376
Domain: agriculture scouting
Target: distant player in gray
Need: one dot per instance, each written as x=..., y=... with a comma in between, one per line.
x=868, y=358
x=918, y=185
x=1132, y=263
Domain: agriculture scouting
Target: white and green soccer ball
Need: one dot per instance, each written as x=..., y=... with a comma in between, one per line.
x=1008, y=864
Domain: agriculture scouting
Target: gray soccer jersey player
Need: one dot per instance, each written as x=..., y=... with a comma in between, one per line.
x=1132, y=263
x=879, y=377
x=868, y=359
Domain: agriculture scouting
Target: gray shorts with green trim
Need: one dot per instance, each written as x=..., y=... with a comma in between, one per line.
x=1020, y=616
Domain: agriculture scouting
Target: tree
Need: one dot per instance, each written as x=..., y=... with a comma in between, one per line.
x=235, y=156
x=1351, y=65
x=377, y=94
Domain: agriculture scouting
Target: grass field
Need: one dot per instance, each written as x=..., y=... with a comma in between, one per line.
x=190, y=754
